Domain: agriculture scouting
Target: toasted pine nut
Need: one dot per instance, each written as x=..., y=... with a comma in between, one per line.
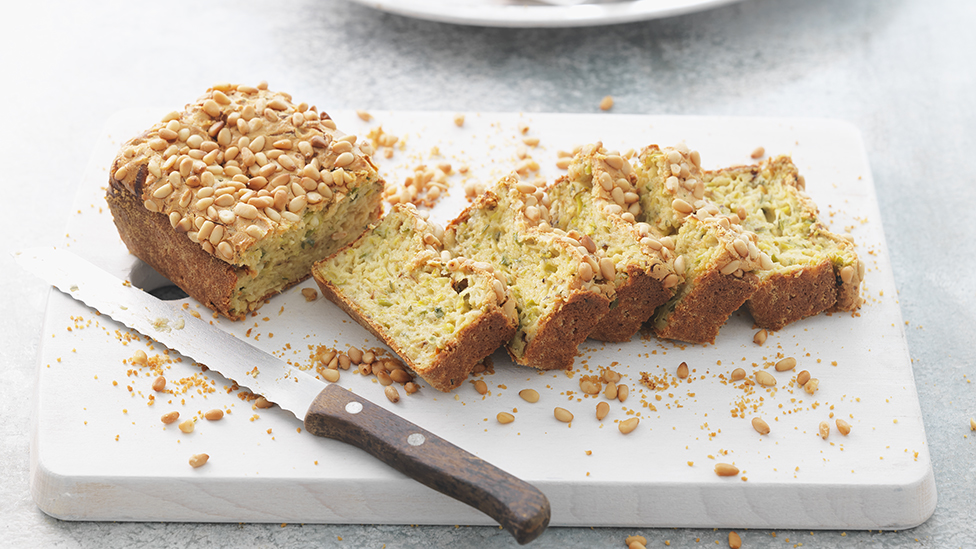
x=331, y=375
x=602, y=409
x=611, y=391
x=563, y=414
x=529, y=395
x=628, y=425
x=972, y=425
x=187, y=426
x=844, y=428
x=802, y=378
x=726, y=470
x=480, y=386
x=392, y=394
x=505, y=418
x=384, y=378
x=400, y=376
x=636, y=545
x=787, y=363
x=738, y=374
x=411, y=387
x=683, y=370
x=735, y=542
x=757, y=153
x=760, y=425
x=262, y=402
x=622, y=392
x=140, y=358
x=170, y=417
x=639, y=539
x=198, y=460
x=214, y=415
x=355, y=355
x=159, y=384
x=760, y=337
x=606, y=103
x=765, y=379
x=811, y=386
x=824, y=430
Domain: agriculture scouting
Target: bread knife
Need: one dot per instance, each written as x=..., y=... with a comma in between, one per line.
x=329, y=409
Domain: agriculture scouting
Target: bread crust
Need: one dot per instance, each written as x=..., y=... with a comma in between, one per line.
x=457, y=360
x=561, y=332
x=784, y=298
x=637, y=299
x=698, y=317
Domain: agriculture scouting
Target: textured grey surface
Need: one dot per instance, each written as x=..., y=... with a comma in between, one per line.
x=903, y=71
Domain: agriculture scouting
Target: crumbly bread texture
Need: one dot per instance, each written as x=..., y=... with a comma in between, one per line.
x=715, y=256
x=597, y=203
x=235, y=197
x=813, y=270
x=442, y=315
x=559, y=291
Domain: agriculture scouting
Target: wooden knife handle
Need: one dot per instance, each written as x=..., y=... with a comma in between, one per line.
x=518, y=506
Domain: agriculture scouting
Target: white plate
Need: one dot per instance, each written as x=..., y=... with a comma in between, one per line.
x=529, y=13
x=100, y=452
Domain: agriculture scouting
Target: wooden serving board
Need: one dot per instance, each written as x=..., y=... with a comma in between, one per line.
x=100, y=452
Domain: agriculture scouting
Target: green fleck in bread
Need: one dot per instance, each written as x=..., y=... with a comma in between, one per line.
x=234, y=198
x=813, y=270
x=597, y=203
x=558, y=290
x=441, y=315
x=716, y=257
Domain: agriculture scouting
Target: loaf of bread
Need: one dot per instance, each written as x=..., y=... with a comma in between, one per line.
x=441, y=314
x=715, y=257
x=596, y=202
x=559, y=290
x=813, y=270
x=234, y=198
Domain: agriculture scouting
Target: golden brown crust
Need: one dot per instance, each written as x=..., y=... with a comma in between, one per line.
x=783, y=298
x=561, y=332
x=636, y=301
x=698, y=317
x=458, y=359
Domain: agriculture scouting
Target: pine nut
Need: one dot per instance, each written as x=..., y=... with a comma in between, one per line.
x=214, y=415
x=411, y=387
x=683, y=370
x=759, y=152
x=383, y=377
x=760, y=337
x=139, y=357
x=480, y=386
x=972, y=425
x=735, y=542
x=355, y=355
x=844, y=428
x=639, y=539
x=636, y=545
x=331, y=376
x=198, y=460
x=187, y=426
x=760, y=425
x=159, y=384
x=765, y=379
x=802, y=378
x=563, y=414
x=589, y=387
x=787, y=363
x=629, y=425
x=344, y=361
x=824, y=430
x=811, y=386
x=401, y=376
x=505, y=418
x=392, y=394
x=262, y=402
x=606, y=103
x=622, y=392
x=611, y=391
x=602, y=409
x=170, y=417
x=726, y=470
x=529, y=395
x=738, y=374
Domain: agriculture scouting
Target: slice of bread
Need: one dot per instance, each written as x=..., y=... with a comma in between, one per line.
x=234, y=198
x=813, y=270
x=716, y=257
x=442, y=315
x=596, y=203
x=558, y=289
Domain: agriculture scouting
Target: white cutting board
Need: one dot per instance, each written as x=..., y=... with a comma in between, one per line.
x=100, y=452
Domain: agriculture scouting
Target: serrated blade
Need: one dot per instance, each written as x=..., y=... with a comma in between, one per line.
x=176, y=328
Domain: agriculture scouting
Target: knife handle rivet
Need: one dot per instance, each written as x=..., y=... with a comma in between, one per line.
x=354, y=407
x=416, y=439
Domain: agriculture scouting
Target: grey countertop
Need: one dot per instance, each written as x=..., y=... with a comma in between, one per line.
x=902, y=71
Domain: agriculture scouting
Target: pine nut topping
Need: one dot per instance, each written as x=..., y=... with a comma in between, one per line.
x=824, y=430
x=505, y=418
x=170, y=417
x=765, y=379
x=602, y=409
x=802, y=378
x=683, y=370
x=760, y=425
x=726, y=470
x=844, y=428
x=529, y=395
x=787, y=363
x=199, y=460
x=563, y=415
x=214, y=415
x=627, y=426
